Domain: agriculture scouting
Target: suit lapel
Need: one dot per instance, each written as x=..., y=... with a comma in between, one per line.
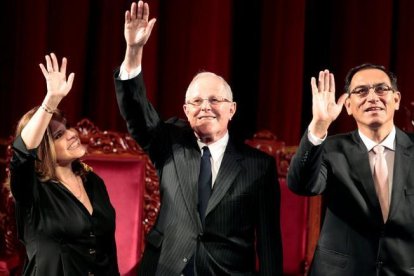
x=187, y=162
x=229, y=169
x=402, y=166
x=359, y=163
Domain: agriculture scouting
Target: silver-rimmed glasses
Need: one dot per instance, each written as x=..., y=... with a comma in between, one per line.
x=211, y=100
x=380, y=89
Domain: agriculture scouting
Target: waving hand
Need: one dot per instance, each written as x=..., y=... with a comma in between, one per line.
x=137, y=28
x=324, y=108
x=57, y=84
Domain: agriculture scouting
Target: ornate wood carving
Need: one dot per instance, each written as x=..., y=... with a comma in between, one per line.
x=7, y=225
x=11, y=250
x=111, y=142
x=408, y=124
x=267, y=142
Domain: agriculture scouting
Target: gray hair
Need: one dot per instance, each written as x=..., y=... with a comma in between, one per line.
x=226, y=86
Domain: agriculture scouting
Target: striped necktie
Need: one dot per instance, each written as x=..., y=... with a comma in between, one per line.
x=204, y=182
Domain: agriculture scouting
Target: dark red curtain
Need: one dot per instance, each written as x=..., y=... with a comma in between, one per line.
x=267, y=50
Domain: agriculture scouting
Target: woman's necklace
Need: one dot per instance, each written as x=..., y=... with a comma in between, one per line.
x=79, y=193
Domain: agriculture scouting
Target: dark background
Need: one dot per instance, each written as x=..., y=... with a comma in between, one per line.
x=267, y=50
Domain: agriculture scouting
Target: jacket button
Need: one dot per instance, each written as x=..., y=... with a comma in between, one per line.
x=380, y=264
x=185, y=260
x=91, y=251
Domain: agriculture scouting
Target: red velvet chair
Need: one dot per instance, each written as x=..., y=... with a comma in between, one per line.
x=132, y=185
x=300, y=216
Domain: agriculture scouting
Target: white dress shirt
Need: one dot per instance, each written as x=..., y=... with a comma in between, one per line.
x=124, y=75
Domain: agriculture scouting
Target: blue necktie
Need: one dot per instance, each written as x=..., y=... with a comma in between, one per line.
x=204, y=182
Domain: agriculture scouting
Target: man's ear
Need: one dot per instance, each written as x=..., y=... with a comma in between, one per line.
x=397, y=99
x=347, y=105
x=185, y=110
x=233, y=109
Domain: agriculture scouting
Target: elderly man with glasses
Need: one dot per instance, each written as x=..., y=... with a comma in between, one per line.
x=366, y=177
x=220, y=200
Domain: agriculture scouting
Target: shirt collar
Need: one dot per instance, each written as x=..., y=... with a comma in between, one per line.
x=217, y=147
x=389, y=141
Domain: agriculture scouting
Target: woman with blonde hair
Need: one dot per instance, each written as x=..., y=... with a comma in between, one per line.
x=64, y=215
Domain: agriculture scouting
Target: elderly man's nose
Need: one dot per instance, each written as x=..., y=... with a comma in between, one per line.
x=206, y=103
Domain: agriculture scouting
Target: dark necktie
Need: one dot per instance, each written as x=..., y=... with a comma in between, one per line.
x=204, y=192
x=204, y=182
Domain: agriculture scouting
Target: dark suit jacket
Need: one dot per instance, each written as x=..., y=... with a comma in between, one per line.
x=244, y=204
x=354, y=239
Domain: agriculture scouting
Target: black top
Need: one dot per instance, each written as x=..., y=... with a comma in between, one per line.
x=60, y=235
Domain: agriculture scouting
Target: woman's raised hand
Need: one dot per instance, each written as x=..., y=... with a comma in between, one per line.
x=58, y=86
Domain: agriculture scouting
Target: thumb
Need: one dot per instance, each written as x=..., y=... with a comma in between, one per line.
x=70, y=80
x=150, y=26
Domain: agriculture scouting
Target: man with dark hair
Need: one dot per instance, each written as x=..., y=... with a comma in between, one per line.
x=365, y=177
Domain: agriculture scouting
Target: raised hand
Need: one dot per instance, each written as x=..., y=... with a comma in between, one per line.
x=137, y=28
x=57, y=88
x=324, y=108
x=57, y=84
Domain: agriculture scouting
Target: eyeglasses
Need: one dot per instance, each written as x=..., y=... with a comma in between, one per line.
x=211, y=100
x=380, y=89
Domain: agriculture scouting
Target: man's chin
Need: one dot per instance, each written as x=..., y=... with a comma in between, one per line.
x=204, y=132
x=205, y=127
x=375, y=124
